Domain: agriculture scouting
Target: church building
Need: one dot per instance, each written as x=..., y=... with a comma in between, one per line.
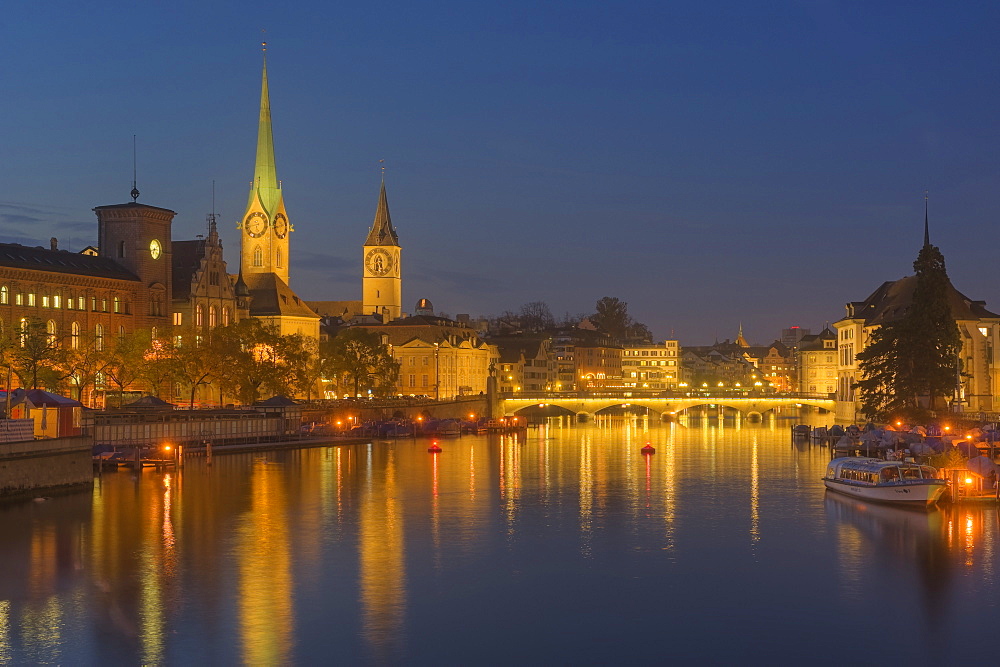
x=266, y=229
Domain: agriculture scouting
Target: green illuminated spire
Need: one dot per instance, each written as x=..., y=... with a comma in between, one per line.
x=265, y=175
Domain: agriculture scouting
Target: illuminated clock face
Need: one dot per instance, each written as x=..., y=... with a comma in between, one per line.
x=255, y=224
x=154, y=249
x=280, y=225
x=378, y=261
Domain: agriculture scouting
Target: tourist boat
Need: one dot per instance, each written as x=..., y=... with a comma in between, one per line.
x=876, y=480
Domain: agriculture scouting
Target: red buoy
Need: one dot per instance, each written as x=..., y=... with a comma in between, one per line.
x=434, y=448
x=648, y=449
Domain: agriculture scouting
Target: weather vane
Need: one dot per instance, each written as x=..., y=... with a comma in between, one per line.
x=382, y=166
x=263, y=44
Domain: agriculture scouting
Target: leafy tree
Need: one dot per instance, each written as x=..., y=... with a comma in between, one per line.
x=300, y=355
x=916, y=355
x=127, y=359
x=249, y=359
x=37, y=355
x=83, y=364
x=361, y=360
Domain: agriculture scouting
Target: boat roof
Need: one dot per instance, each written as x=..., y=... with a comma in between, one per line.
x=870, y=465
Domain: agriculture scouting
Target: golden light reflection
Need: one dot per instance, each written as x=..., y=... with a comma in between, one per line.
x=264, y=561
x=668, y=452
x=6, y=651
x=754, y=493
x=586, y=477
x=382, y=563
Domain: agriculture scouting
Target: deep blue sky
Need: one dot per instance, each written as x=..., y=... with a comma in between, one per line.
x=709, y=163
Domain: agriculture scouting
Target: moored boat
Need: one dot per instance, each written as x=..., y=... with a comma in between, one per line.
x=896, y=482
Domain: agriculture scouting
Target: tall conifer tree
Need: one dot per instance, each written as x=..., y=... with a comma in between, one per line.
x=916, y=355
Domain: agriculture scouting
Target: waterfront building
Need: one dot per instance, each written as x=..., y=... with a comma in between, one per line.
x=979, y=382
x=382, y=281
x=651, y=366
x=817, y=362
x=438, y=357
x=266, y=231
x=598, y=366
x=526, y=364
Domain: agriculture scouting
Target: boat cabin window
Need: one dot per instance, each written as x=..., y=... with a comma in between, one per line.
x=929, y=473
x=890, y=474
x=911, y=473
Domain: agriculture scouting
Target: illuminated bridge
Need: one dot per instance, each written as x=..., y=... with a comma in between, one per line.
x=589, y=405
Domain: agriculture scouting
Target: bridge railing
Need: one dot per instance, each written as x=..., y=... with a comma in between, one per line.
x=555, y=395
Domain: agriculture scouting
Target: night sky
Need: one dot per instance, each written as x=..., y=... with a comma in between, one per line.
x=709, y=163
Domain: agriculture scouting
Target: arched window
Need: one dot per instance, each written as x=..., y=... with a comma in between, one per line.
x=23, y=331
x=4, y=294
x=225, y=316
x=117, y=305
x=50, y=332
x=74, y=335
x=213, y=317
x=258, y=257
x=278, y=260
x=199, y=316
x=121, y=333
x=99, y=337
x=121, y=248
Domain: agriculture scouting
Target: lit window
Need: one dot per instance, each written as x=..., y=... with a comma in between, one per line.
x=50, y=331
x=213, y=317
x=45, y=301
x=258, y=257
x=4, y=294
x=31, y=299
x=199, y=316
x=99, y=337
x=18, y=299
x=178, y=317
x=79, y=303
x=74, y=335
x=117, y=305
x=56, y=301
x=225, y=316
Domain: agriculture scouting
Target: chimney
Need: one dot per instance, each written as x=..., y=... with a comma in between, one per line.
x=54, y=243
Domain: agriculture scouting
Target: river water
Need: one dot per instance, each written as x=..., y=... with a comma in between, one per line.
x=561, y=545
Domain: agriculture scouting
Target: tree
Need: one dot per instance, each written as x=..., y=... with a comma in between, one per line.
x=127, y=359
x=36, y=356
x=536, y=316
x=84, y=363
x=917, y=355
x=248, y=359
x=612, y=317
x=363, y=361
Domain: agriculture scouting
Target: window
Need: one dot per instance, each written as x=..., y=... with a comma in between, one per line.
x=213, y=317
x=213, y=278
x=99, y=337
x=104, y=305
x=278, y=261
x=199, y=316
x=50, y=332
x=4, y=294
x=74, y=335
x=31, y=298
x=121, y=333
x=45, y=301
x=225, y=316
x=18, y=299
x=177, y=341
x=178, y=318
x=258, y=257
x=56, y=301
x=121, y=249
x=117, y=305
x=423, y=380
x=412, y=380
x=80, y=304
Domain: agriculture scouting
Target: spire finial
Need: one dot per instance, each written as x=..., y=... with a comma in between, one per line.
x=135, y=190
x=263, y=44
x=382, y=165
x=927, y=234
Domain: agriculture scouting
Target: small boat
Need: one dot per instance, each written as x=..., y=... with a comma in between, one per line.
x=896, y=482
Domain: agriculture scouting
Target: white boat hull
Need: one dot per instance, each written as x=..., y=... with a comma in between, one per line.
x=901, y=494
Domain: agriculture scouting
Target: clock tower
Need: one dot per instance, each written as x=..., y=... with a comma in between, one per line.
x=265, y=226
x=382, y=291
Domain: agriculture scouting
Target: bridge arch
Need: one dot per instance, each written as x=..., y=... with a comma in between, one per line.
x=584, y=405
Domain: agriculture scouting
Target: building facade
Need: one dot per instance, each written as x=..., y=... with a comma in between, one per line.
x=651, y=366
x=382, y=290
x=817, y=362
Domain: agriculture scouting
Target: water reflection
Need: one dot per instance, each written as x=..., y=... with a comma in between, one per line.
x=357, y=553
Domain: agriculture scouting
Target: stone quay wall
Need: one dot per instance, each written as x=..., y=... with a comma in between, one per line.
x=44, y=464
x=365, y=410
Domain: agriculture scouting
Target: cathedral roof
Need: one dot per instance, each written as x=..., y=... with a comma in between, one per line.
x=272, y=297
x=15, y=255
x=890, y=301
x=382, y=232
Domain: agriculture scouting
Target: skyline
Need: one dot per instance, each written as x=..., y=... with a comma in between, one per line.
x=708, y=167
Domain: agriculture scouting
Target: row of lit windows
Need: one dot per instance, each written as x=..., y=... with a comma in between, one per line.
x=57, y=301
x=199, y=317
x=649, y=353
x=258, y=258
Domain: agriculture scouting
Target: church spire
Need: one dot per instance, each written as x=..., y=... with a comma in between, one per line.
x=927, y=234
x=382, y=232
x=265, y=175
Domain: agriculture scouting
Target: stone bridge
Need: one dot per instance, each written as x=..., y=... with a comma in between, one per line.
x=587, y=406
